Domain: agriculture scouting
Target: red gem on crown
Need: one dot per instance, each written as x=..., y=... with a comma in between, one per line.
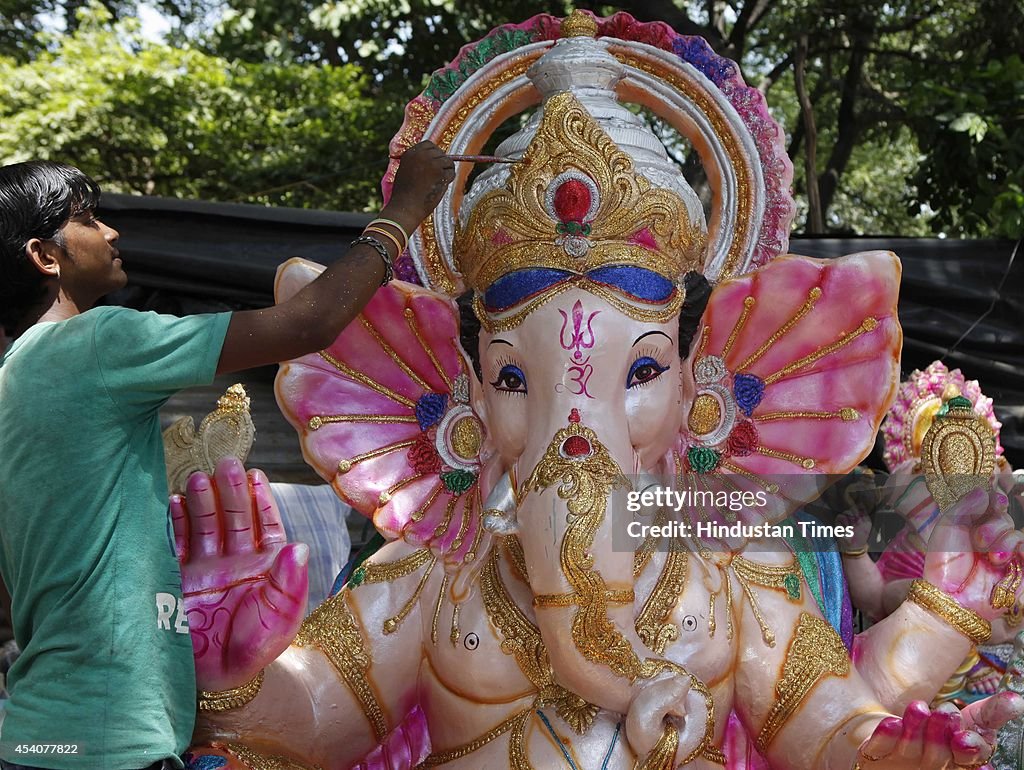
x=572, y=201
x=574, y=415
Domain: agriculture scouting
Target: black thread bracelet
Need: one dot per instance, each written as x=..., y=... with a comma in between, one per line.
x=380, y=248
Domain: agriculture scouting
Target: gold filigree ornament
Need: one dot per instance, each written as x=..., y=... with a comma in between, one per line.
x=225, y=700
x=227, y=431
x=576, y=203
x=815, y=652
x=1004, y=593
x=257, y=760
x=958, y=453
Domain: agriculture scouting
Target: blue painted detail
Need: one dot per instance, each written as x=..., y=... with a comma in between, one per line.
x=749, y=390
x=430, y=409
x=565, y=752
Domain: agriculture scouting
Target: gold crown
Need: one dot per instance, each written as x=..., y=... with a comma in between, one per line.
x=576, y=203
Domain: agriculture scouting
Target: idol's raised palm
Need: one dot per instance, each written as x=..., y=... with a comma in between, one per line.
x=245, y=588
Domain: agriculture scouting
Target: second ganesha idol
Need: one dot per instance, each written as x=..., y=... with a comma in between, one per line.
x=500, y=626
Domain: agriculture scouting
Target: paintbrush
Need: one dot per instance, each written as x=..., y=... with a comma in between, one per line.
x=476, y=159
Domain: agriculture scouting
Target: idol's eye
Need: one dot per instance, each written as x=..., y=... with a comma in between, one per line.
x=643, y=371
x=510, y=379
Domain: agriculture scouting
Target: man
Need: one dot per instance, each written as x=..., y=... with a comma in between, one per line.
x=106, y=680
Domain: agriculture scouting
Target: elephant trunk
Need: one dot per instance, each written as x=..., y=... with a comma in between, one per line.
x=583, y=587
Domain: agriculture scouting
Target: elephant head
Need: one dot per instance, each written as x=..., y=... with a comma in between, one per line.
x=575, y=255
x=575, y=260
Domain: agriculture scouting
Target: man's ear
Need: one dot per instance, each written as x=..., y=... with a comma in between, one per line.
x=43, y=258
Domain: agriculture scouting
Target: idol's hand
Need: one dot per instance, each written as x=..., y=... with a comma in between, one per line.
x=667, y=701
x=424, y=173
x=944, y=738
x=860, y=524
x=975, y=554
x=245, y=588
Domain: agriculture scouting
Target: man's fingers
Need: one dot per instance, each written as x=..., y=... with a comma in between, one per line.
x=236, y=506
x=271, y=527
x=205, y=530
x=179, y=523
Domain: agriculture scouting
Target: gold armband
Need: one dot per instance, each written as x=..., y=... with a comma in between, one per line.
x=231, y=699
x=626, y=596
x=854, y=553
x=967, y=622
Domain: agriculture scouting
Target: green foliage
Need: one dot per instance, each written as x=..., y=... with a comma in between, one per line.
x=917, y=103
x=149, y=118
x=974, y=123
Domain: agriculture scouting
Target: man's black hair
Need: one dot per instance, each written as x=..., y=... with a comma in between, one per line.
x=37, y=199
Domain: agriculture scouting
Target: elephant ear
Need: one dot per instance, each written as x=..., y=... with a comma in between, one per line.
x=383, y=414
x=795, y=366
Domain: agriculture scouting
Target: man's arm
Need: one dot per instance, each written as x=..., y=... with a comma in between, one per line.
x=316, y=315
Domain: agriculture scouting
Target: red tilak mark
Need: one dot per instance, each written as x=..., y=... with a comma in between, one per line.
x=576, y=446
x=574, y=415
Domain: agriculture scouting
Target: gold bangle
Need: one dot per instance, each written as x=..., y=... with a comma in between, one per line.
x=389, y=236
x=855, y=552
x=967, y=622
x=237, y=697
x=394, y=224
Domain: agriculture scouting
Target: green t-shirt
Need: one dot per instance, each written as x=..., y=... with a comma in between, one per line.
x=86, y=548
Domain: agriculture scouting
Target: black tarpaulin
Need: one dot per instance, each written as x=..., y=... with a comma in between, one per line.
x=193, y=255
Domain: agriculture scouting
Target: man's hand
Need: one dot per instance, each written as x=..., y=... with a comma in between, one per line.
x=424, y=173
x=245, y=588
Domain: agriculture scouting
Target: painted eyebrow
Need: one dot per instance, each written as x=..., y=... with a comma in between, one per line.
x=500, y=341
x=648, y=334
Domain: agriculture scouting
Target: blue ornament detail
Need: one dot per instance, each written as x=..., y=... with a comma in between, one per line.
x=430, y=409
x=749, y=390
x=205, y=762
x=697, y=52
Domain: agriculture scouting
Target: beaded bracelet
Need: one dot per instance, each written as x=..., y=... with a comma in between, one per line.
x=380, y=248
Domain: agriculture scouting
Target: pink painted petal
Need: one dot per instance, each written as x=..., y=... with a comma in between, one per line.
x=354, y=407
x=804, y=369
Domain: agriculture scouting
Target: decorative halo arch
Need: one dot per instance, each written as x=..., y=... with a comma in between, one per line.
x=678, y=77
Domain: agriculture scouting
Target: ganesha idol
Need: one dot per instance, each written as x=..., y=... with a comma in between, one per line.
x=926, y=399
x=502, y=626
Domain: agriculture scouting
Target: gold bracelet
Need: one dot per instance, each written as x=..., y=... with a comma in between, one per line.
x=381, y=231
x=856, y=552
x=231, y=699
x=967, y=622
x=394, y=224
